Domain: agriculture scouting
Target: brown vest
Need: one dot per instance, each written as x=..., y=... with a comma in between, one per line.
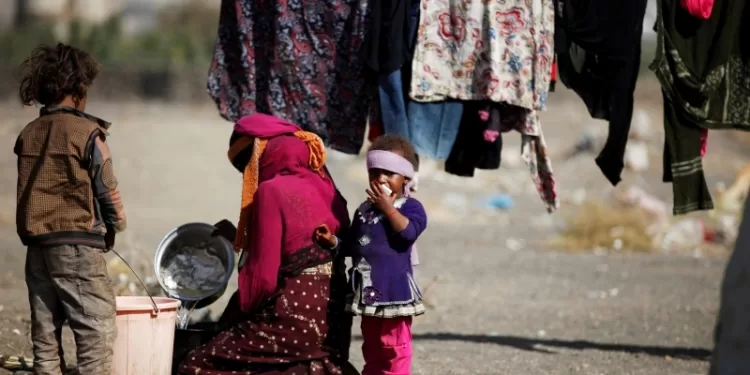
x=56, y=203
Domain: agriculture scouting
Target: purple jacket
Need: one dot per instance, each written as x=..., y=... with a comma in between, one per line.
x=381, y=257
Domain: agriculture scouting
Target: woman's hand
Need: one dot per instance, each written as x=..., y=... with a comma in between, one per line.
x=323, y=237
x=380, y=199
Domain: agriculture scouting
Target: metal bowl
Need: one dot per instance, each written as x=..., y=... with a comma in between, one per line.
x=192, y=234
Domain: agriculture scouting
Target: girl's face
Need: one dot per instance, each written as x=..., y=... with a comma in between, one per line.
x=394, y=181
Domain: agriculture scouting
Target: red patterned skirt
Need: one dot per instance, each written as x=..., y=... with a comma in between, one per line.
x=304, y=330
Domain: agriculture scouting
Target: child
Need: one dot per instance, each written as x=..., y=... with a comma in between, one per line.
x=384, y=230
x=68, y=211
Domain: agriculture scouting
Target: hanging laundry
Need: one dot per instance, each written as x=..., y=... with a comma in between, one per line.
x=387, y=49
x=484, y=50
x=387, y=38
x=300, y=63
x=478, y=145
x=376, y=130
x=704, y=71
x=487, y=51
x=431, y=127
x=598, y=45
x=698, y=8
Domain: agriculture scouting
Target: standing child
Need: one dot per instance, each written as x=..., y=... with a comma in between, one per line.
x=383, y=232
x=68, y=211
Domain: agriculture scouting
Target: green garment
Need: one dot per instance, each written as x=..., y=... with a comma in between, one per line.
x=704, y=70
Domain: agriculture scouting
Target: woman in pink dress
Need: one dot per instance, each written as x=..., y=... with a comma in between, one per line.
x=289, y=312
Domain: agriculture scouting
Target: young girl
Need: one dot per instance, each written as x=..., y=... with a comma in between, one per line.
x=384, y=230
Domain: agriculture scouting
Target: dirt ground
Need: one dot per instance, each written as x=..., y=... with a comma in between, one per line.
x=495, y=307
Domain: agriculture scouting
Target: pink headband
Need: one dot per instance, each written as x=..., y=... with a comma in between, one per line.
x=390, y=162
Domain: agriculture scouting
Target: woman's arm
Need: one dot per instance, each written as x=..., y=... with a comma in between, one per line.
x=259, y=275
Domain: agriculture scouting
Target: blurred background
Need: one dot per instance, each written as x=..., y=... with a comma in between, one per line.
x=612, y=282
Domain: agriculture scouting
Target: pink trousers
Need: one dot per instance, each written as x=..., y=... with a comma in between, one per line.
x=386, y=345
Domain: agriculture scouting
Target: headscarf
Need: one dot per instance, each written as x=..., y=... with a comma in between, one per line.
x=291, y=151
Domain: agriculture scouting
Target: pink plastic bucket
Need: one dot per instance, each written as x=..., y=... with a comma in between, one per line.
x=145, y=336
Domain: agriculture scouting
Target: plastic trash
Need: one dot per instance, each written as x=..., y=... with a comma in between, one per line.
x=500, y=201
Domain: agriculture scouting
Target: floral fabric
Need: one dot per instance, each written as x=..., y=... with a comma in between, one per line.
x=492, y=50
x=498, y=50
x=533, y=152
x=303, y=330
x=298, y=60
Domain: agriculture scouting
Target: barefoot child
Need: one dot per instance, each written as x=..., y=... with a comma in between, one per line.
x=383, y=232
x=68, y=211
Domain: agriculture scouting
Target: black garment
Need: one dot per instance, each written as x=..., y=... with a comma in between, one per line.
x=704, y=69
x=682, y=143
x=471, y=150
x=412, y=24
x=387, y=38
x=598, y=45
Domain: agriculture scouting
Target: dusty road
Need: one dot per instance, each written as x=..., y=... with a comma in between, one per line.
x=495, y=307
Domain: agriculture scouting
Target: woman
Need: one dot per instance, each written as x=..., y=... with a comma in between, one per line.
x=288, y=316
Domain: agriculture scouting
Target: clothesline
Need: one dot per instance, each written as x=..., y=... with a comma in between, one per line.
x=453, y=77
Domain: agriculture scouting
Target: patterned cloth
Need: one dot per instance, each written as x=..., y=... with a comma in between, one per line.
x=64, y=163
x=482, y=50
x=303, y=330
x=496, y=50
x=479, y=145
x=533, y=151
x=356, y=306
x=705, y=85
x=308, y=69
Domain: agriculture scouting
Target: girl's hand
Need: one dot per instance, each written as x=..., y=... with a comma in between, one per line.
x=380, y=199
x=324, y=238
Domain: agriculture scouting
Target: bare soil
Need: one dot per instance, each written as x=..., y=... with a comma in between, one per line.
x=494, y=308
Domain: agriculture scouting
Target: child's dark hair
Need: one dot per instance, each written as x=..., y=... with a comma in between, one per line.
x=52, y=73
x=391, y=142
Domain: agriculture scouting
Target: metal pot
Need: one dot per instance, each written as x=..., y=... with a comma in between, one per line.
x=185, y=235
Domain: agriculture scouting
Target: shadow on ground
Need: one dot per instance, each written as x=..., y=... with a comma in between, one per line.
x=538, y=345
